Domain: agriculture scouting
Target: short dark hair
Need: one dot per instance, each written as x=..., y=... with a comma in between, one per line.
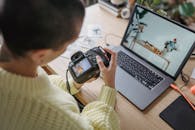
x=39, y=24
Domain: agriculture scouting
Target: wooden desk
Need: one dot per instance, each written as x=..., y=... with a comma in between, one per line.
x=130, y=116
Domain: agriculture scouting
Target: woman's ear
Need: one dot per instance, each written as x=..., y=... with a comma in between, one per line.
x=39, y=56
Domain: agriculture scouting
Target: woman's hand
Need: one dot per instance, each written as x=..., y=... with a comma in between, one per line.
x=78, y=86
x=108, y=73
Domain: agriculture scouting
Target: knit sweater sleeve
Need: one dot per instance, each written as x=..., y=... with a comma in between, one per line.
x=35, y=104
x=59, y=82
x=97, y=115
x=101, y=113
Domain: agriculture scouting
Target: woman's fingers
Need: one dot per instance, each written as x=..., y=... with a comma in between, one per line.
x=113, y=60
x=100, y=63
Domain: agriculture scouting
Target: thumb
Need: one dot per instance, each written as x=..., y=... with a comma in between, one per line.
x=100, y=63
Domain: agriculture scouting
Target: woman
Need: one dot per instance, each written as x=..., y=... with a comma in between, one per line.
x=36, y=32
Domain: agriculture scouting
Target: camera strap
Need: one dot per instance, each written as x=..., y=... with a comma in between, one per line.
x=67, y=82
x=80, y=105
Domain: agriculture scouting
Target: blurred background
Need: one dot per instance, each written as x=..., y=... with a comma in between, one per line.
x=90, y=2
x=182, y=11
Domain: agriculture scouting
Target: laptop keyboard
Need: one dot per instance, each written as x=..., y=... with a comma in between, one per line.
x=141, y=73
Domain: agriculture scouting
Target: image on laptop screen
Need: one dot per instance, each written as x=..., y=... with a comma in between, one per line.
x=159, y=41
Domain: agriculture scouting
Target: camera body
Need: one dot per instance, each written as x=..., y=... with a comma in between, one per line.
x=83, y=66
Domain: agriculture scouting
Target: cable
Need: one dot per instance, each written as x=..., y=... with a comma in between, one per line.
x=80, y=105
x=185, y=97
x=110, y=34
x=185, y=78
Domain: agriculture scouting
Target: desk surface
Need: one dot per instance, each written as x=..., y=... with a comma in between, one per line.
x=130, y=116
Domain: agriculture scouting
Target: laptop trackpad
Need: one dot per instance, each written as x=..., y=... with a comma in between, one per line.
x=132, y=89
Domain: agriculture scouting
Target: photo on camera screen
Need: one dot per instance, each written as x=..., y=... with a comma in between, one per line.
x=161, y=42
x=81, y=67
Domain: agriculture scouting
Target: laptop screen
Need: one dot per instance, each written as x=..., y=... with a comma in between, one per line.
x=163, y=43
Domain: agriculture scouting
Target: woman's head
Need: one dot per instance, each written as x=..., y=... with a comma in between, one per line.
x=32, y=25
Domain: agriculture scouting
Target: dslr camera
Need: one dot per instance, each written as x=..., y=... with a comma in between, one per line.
x=83, y=66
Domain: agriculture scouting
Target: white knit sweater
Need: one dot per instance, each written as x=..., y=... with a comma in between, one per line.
x=37, y=104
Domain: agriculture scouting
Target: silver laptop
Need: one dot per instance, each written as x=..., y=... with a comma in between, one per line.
x=152, y=54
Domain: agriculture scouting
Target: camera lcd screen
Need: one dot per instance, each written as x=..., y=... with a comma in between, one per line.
x=81, y=67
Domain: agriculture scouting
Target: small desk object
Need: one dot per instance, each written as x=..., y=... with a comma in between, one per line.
x=131, y=118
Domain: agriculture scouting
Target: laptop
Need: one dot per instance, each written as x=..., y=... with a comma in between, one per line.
x=152, y=53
